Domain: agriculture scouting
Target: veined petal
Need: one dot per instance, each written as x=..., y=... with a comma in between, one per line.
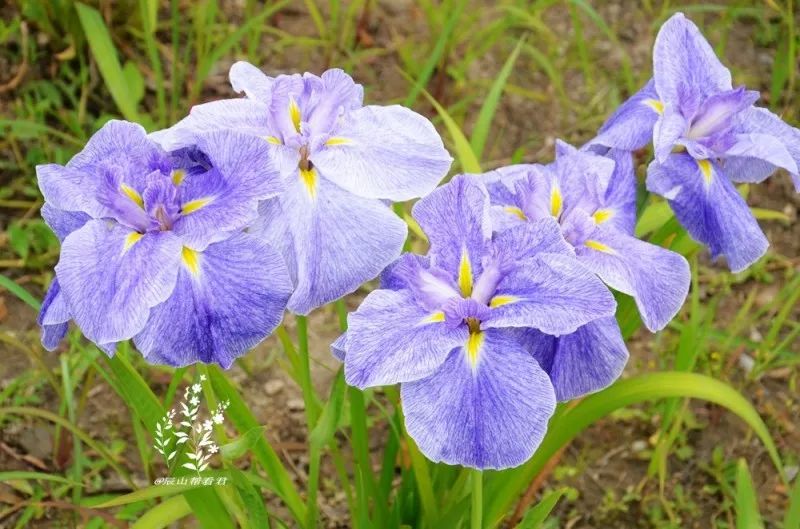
x=619, y=206
x=707, y=204
x=253, y=82
x=552, y=293
x=762, y=121
x=246, y=116
x=529, y=240
x=631, y=126
x=337, y=94
x=669, y=128
x=455, y=217
x=764, y=147
x=657, y=278
x=490, y=413
x=332, y=243
x=63, y=222
x=110, y=284
x=53, y=317
x=684, y=60
x=227, y=299
x=432, y=287
x=339, y=347
x=585, y=361
x=226, y=198
x=391, y=339
x=717, y=112
x=385, y=152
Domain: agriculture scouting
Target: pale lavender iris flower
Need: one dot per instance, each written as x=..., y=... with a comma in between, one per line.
x=707, y=136
x=340, y=161
x=153, y=246
x=453, y=328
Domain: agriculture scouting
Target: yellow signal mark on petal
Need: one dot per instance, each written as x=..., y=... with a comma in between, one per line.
x=294, y=114
x=178, y=176
x=556, y=201
x=337, y=141
x=499, y=301
x=602, y=215
x=655, y=104
x=273, y=140
x=436, y=317
x=194, y=205
x=707, y=169
x=191, y=260
x=465, y=274
x=515, y=211
x=131, y=239
x=132, y=194
x=309, y=179
x=599, y=246
x=474, y=343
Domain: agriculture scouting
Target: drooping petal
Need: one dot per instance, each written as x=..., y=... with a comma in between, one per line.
x=227, y=299
x=631, y=126
x=657, y=278
x=391, y=339
x=619, y=207
x=112, y=277
x=529, y=240
x=332, y=240
x=707, y=204
x=339, y=347
x=63, y=222
x=717, y=112
x=588, y=360
x=53, y=317
x=384, y=152
x=684, y=60
x=763, y=147
x=552, y=293
x=253, y=82
x=762, y=121
x=246, y=116
x=486, y=407
x=226, y=197
x=456, y=219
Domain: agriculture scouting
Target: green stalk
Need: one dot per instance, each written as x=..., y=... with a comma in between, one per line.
x=304, y=376
x=477, y=500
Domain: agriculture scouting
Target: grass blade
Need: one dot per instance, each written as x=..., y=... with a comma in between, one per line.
x=747, y=515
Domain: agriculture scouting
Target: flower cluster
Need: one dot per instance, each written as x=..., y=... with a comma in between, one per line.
x=707, y=136
x=193, y=240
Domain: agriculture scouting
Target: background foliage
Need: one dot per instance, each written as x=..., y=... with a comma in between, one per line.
x=501, y=80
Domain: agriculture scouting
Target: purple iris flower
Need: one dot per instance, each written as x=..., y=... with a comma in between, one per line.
x=453, y=328
x=593, y=200
x=707, y=136
x=340, y=161
x=153, y=248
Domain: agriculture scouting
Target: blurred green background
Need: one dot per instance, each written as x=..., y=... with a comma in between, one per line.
x=67, y=67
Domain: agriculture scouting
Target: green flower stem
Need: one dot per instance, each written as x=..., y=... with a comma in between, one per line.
x=477, y=500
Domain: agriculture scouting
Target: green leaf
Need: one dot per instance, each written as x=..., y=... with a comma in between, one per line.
x=466, y=157
x=792, y=518
x=18, y=240
x=537, y=515
x=19, y=475
x=241, y=445
x=747, y=515
x=20, y=292
x=655, y=215
x=135, y=81
x=164, y=514
x=105, y=54
x=251, y=498
x=147, y=493
x=567, y=423
x=484, y=122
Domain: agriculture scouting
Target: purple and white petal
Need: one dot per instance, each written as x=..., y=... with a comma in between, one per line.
x=619, y=205
x=63, y=222
x=255, y=84
x=338, y=95
x=384, y=152
x=456, y=219
x=631, y=126
x=552, y=293
x=339, y=347
x=227, y=299
x=226, y=197
x=529, y=240
x=111, y=277
x=762, y=121
x=717, y=111
x=432, y=287
x=707, y=204
x=657, y=278
x=391, y=339
x=332, y=240
x=764, y=147
x=684, y=60
x=486, y=407
x=669, y=128
x=583, y=362
x=53, y=317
